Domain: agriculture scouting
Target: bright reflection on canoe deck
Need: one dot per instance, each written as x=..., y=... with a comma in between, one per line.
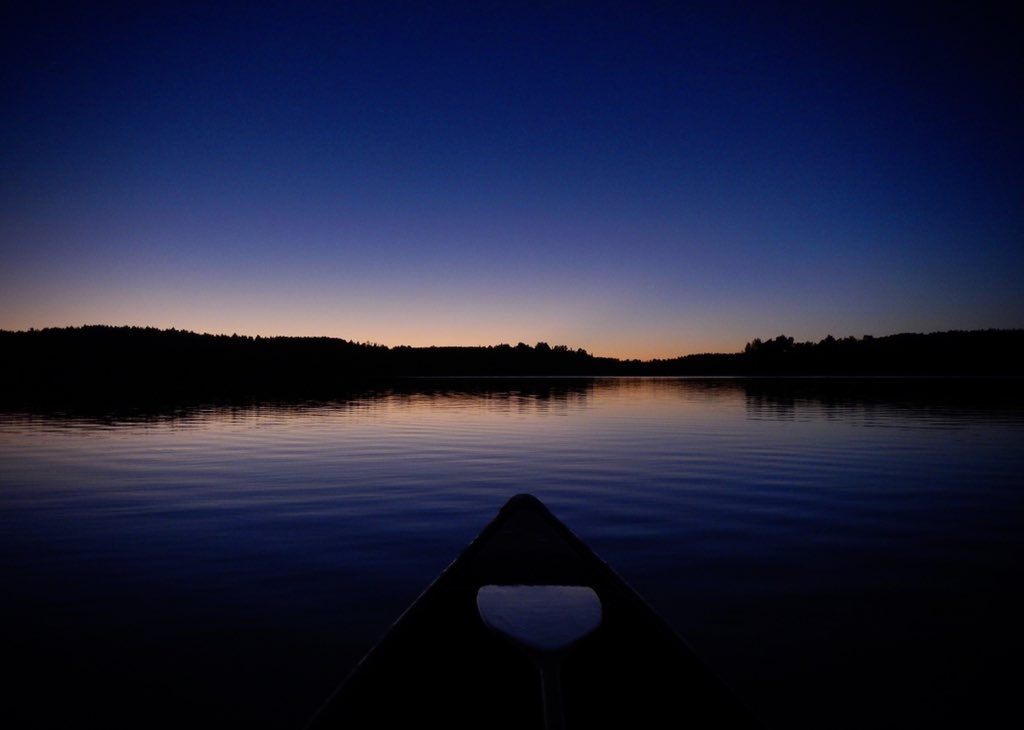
x=545, y=617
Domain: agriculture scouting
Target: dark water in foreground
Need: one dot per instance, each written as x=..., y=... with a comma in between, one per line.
x=843, y=553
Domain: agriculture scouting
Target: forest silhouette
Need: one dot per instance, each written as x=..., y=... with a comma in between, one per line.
x=99, y=362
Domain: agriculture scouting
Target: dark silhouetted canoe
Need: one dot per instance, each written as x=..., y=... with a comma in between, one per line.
x=528, y=628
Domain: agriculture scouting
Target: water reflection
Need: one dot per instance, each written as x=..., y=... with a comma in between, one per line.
x=926, y=400
x=765, y=398
x=501, y=393
x=796, y=531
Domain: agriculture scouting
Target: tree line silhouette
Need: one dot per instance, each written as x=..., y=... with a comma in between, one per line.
x=101, y=362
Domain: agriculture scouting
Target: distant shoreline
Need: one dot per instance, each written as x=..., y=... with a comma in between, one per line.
x=100, y=363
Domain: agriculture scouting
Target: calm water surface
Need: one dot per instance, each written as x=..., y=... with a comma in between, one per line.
x=842, y=553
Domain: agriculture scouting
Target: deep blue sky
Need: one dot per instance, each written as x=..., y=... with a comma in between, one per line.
x=638, y=179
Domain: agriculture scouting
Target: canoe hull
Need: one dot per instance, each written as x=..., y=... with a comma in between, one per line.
x=440, y=663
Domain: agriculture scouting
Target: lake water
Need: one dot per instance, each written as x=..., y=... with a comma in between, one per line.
x=843, y=554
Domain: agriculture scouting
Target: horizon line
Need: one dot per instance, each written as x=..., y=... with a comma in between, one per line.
x=506, y=344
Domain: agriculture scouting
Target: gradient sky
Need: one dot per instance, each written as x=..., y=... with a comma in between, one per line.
x=637, y=179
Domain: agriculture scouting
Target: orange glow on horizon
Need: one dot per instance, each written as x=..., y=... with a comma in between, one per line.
x=636, y=348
